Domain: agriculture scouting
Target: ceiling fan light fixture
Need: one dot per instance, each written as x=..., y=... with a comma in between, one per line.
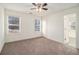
x=37, y=9
x=40, y=10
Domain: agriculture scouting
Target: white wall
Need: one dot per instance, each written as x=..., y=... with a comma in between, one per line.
x=27, y=27
x=1, y=28
x=55, y=25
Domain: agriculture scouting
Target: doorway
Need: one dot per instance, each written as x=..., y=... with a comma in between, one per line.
x=70, y=29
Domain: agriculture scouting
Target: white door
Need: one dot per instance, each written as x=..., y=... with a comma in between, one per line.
x=70, y=29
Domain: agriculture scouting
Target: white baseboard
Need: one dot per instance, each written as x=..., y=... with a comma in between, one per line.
x=23, y=39
x=54, y=39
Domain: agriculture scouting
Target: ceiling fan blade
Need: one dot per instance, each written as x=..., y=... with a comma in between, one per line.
x=34, y=4
x=45, y=4
x=45, y=8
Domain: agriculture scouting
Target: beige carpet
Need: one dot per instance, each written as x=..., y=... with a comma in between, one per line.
x=37, y=46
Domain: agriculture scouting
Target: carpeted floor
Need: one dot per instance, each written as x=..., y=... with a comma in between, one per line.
x=37, y=46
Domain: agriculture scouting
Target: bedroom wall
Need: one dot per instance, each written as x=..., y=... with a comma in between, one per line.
x=27, y=26
x=54, y=27
x=1, y=28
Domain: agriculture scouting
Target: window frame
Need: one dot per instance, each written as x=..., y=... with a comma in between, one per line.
x=37, y=25
x=9, y=30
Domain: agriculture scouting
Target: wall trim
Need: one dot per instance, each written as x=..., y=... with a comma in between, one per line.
x=25, y=39
x=53, y=40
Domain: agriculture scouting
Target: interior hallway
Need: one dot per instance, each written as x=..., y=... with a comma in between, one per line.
x=38, y=46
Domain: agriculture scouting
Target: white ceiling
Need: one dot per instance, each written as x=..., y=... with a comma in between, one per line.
x=25, y=7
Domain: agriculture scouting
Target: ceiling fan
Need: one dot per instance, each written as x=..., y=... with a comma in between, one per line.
x=39, y=7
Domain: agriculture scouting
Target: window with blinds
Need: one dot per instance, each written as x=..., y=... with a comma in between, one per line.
x=13, y=23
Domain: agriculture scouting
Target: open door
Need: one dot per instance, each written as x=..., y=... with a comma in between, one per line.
x=70, y=29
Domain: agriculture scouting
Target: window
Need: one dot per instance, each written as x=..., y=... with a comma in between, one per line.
x=13, y=23
x=37, y=25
